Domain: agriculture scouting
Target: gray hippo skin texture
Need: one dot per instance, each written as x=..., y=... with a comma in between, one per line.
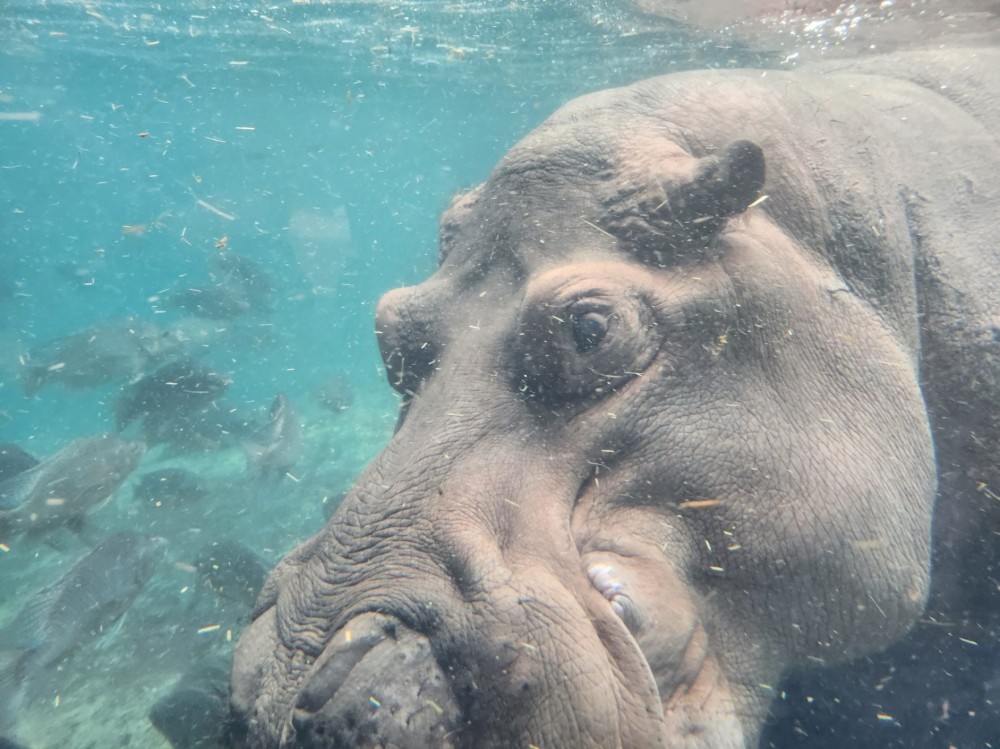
x=664, y=439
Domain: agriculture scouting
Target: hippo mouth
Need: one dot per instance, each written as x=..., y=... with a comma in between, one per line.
x=665, y=631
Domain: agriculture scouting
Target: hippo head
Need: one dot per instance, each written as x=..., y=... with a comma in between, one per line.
x=651, y=455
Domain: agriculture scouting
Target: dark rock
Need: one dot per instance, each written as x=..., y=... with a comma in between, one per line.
x=193, y=714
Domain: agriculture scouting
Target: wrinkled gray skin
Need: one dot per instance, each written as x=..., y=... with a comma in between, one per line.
x=664, y=440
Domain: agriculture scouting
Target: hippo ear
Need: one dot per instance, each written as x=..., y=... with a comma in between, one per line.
x=680, y=216
x=725, y=184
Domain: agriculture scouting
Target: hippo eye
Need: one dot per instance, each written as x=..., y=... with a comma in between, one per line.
x=581, y=337
x=589, y=329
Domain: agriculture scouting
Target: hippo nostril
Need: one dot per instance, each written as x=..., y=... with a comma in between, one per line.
x=376, y=684
x=302, y=721
x=339, y=657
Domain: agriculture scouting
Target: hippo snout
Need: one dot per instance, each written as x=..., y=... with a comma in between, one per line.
x=376, y=684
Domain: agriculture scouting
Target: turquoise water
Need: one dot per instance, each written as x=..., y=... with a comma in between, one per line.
x=145, y=124
x=139, y=143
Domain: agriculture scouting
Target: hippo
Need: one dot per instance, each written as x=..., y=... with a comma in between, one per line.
x=705, y=379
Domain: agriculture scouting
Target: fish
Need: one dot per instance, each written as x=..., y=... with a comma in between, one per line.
x=14, y=460
x=8, y=290
x=112, y=351
x=208, y=428
x=323, y=245
x=232, y=571
x=81, y=606
x=274, y=448
x=63, y=488
x=178, y=388
x=210, y=302
x=238, y=272
x=79, y=274
x=336, y=394
x=239, y=287
x=170, y=488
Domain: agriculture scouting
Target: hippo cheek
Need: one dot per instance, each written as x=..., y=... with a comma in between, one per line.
x=649, y=599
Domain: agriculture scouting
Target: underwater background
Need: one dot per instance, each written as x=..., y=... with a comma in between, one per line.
x=226, y=188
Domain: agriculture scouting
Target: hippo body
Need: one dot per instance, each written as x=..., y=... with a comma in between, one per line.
x=699, y=356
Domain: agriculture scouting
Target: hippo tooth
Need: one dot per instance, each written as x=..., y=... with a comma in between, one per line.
x=602, y=577
x=618, y=607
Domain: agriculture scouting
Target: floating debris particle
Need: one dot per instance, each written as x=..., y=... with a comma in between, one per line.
x=217, y=211
x=209, y=628
x=698, y=504
x=20, y=116
x=868, y=544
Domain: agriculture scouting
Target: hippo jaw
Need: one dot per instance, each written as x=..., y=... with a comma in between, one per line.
x=485, y=651
x=377, y=683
